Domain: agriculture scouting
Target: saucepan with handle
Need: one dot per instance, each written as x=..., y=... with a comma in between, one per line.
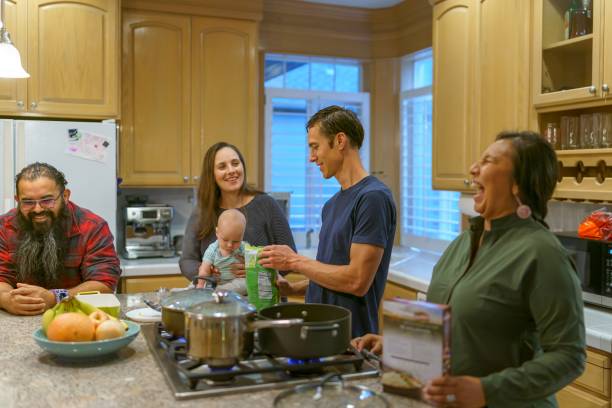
x=328, y=327
x=220, y=332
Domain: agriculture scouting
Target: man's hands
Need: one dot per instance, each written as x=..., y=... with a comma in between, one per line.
x=27, y=300
x=279, y=257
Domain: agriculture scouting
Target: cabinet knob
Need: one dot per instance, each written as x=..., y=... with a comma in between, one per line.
x=186, y=179
x=605, y=88
x=466, y=182
x=33, y=105
x=592, y=89
x=196, y=178
x=20, y=104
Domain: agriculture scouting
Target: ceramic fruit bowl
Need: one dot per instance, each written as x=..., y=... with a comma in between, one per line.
x=84, y=350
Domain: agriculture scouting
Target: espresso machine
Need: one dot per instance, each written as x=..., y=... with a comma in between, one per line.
x=147, y=231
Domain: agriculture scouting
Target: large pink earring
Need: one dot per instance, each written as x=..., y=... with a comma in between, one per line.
x=523, y=211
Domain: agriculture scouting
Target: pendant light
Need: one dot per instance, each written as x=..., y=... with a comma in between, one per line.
x=10, y=61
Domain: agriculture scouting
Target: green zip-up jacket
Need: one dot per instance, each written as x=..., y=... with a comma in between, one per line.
x=517, y=318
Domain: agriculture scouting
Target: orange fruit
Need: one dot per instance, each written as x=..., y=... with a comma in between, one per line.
x=71, y=327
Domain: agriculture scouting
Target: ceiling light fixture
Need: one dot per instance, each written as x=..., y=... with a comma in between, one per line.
x=10, y=61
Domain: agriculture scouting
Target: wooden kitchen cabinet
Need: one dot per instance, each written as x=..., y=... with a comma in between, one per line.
x=139, y=284
x=155, y=143
x=568, y=71
x=70, y=50
x=224, y=91
x=189, y=82
x=481, y=82
x=592, y=388
x=572, y=397
x=13, y=92
x=453, y=103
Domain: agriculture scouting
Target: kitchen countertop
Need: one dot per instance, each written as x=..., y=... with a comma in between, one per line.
x=30, y=377
x=409, y=267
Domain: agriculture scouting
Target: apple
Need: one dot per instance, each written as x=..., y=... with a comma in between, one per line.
x=98, y=317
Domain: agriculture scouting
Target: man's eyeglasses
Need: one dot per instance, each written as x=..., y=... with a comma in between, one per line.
x=44, y=203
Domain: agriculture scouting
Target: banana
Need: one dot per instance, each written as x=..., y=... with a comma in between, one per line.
x=85, y=307
x=47, y=317
x=74, y=305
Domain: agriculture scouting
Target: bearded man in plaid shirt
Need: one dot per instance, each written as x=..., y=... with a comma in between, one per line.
x=50, y=247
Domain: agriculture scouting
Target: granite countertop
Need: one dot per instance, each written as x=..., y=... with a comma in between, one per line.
x=30, y=377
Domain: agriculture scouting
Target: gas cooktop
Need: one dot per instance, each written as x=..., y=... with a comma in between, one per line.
x=190, y=379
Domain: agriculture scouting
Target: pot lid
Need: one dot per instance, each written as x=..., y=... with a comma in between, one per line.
x=185, y=298
x=222, y=304
x=330, y=394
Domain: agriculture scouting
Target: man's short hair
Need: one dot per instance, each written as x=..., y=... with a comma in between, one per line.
x=335, y=119
x=37, y=170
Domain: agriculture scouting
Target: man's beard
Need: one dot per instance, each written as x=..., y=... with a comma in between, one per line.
x=41, y=252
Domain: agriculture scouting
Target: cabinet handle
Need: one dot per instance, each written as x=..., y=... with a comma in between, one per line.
x=186, y=179
x=196, y=178
x=466, y=182
x=33, y=105
x=605, y=88
x=20, y=104
x=592, y=89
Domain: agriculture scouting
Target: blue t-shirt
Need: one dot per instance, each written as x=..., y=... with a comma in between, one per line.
x=362, y=214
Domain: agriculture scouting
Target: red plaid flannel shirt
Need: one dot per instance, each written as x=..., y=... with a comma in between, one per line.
x=90, y=255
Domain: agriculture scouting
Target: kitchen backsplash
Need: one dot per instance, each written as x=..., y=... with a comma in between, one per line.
x=182, y=199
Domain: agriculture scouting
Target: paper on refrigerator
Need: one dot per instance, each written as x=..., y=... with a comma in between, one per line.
x=87, y=145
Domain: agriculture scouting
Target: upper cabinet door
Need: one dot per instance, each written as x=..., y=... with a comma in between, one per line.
x=502, y=72
x=607, y=44
x=454, y=146
x=225, y=83
x=73, y=57
x=566, y=70
x=13, y=92
x=156, y=103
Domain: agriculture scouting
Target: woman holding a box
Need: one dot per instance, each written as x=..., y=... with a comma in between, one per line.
x=223, y=186
x=517, y=332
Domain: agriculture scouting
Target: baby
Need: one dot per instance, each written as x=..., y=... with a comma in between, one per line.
x=225, y=251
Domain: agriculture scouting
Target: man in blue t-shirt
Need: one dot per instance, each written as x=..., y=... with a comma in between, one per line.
x=357, y=231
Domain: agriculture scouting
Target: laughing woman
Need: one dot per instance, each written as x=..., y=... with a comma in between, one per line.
x=517, y=328
x=223, y=186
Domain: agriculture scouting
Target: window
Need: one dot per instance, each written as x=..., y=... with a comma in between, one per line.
x=296, y=87
x=429, y=218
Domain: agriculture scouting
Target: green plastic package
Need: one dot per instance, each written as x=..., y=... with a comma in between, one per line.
x=260, y=281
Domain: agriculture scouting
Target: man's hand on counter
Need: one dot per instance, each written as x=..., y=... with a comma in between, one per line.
x=28, y=300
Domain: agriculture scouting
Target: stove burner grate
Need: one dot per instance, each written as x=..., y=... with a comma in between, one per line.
x=260, y=371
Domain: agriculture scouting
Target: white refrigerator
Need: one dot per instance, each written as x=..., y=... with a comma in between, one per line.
x=84, y=151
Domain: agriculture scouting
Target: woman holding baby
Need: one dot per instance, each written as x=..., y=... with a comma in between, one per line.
x=222, y=187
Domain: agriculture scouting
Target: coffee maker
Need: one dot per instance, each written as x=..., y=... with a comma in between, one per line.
x=147, y=231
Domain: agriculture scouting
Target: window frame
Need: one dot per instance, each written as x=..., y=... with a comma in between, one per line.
x=407, y=93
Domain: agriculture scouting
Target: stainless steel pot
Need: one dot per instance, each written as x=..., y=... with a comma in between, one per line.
x=174, y=305
x=220, y=332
